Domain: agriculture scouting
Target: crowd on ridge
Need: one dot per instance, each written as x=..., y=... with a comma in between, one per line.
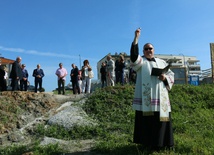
x=19, y=77
x=111, y=72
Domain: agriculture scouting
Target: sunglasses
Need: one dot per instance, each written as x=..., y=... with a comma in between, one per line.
x=146, y=49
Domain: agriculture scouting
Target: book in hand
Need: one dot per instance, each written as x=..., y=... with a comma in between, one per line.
x=159, y=71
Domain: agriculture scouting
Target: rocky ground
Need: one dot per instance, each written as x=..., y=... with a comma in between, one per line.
x=37, y=108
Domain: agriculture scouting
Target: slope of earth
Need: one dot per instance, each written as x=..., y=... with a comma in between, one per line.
x=22, y=111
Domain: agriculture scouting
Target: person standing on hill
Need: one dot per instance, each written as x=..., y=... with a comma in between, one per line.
x=24, y=80
x=6, y=77
x=16, y=74
x=80, y=80
x=61, y=73
x=153, y=124
x=103, y=74
x=74, y=79
x=86, y=80
x=38, y=73
x=3, y=78
x=110, y=66
x=2, y=74
x=119, y=70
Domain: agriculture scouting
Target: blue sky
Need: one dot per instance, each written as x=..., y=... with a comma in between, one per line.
x=48, y=32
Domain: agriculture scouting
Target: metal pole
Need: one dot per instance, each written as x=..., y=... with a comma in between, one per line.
x=80, y=61
x=183, y=59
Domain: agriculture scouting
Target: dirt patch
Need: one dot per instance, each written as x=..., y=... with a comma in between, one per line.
x=21, y=111
x=18, y=108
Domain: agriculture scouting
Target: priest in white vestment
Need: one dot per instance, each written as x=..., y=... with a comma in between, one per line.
x=153, y=126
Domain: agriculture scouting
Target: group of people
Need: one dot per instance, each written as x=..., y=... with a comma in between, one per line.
x=19, y=77
x=107, y=72
x=81, y=79
x=114, y=72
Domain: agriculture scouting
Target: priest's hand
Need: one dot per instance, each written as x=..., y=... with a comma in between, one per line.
x=137, y=32
x=162, y=77
x=137, y=35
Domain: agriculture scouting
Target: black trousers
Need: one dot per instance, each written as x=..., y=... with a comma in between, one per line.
x=61, y=86
x=3, y=84
x=103, y=80
x=23, y=84
x=15, y=84
x=38, y=81
x=75, y=86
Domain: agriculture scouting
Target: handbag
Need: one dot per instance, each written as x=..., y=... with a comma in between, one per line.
x=90, y=74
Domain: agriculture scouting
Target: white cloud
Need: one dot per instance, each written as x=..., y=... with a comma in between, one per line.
x=34, y=52
x=48, y=54
x=17, y=50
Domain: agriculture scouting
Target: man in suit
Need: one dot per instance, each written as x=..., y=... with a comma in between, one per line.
x=38, y=74
x=16, y=74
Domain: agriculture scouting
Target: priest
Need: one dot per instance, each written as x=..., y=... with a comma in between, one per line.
x=153, y=124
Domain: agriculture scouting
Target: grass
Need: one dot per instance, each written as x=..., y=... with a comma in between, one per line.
x=192, y=117
x=35, y=150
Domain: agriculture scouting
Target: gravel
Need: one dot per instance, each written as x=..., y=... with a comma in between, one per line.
x=71, y=116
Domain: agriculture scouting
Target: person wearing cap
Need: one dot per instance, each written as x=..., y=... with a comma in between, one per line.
x=38, y=73
x=61, y=73
x=24, y=80
x=16, y=74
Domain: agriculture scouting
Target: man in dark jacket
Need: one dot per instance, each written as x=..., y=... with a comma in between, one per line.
x=38, y=74
x=103, y=74
x=74, y=79
x=119, y=70
x=24, y=80
x=16, y=74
